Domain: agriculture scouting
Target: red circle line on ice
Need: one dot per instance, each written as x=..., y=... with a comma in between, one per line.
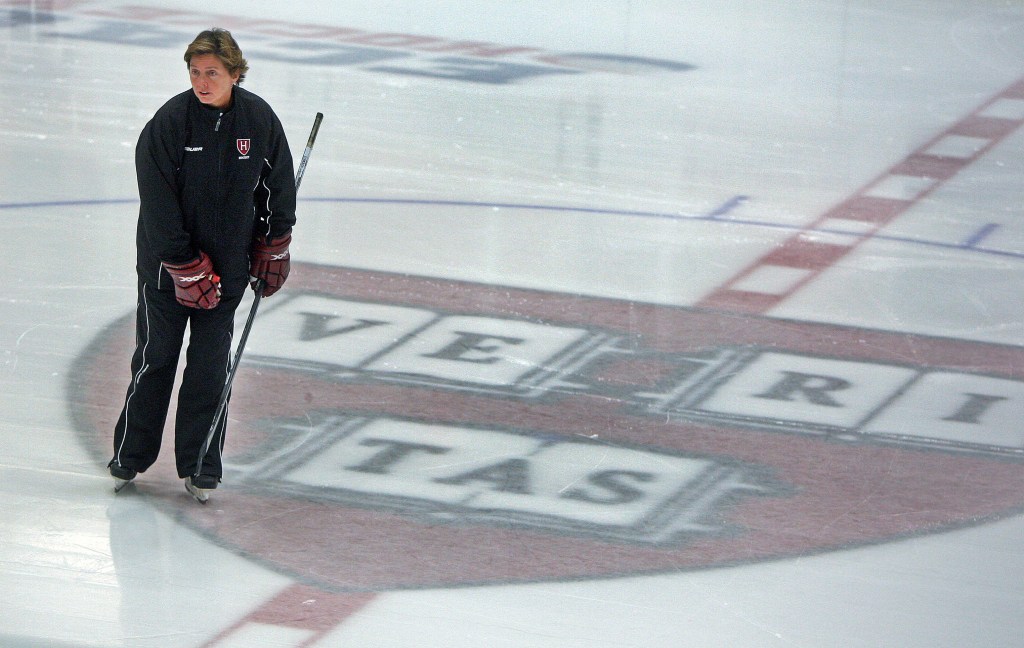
x=392, y=431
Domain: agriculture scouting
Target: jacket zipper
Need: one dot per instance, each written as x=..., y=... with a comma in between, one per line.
x=219, y=147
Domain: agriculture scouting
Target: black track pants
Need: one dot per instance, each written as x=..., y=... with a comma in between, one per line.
x=160, y=328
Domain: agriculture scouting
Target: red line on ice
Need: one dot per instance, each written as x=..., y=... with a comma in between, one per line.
x=799, y=259
x=299, y=607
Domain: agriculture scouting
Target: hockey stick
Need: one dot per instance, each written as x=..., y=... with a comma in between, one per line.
x=309, y=149
x=258, y=294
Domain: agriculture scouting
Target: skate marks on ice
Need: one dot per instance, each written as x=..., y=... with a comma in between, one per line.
x=391, y=431
x=305, y=44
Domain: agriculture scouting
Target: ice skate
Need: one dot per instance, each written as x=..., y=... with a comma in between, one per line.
x=122, y=476
x=200, y=487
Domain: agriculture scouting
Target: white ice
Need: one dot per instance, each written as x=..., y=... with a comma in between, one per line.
x=654, y=186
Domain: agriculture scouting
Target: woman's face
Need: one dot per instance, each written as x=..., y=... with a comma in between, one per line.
x=210, y=80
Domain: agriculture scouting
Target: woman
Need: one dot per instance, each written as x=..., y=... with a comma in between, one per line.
x=217, y=207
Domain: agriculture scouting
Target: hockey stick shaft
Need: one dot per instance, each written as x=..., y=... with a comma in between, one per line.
x=309, y=149
x=258, y=294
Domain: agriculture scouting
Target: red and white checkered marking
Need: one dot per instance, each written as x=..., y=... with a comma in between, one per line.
x=802, y=257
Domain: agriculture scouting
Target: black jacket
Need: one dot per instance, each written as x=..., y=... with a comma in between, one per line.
x=210, y=181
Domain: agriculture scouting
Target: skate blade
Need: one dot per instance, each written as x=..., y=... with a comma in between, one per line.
x=119, y=484
x=200, y=494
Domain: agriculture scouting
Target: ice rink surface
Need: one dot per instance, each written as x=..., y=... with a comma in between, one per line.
x=649, y=324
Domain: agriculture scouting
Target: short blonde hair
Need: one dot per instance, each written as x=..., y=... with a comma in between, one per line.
x=221, y=43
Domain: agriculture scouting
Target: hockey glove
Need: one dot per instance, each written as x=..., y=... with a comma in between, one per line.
x=270, y=263
x=195, y=283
